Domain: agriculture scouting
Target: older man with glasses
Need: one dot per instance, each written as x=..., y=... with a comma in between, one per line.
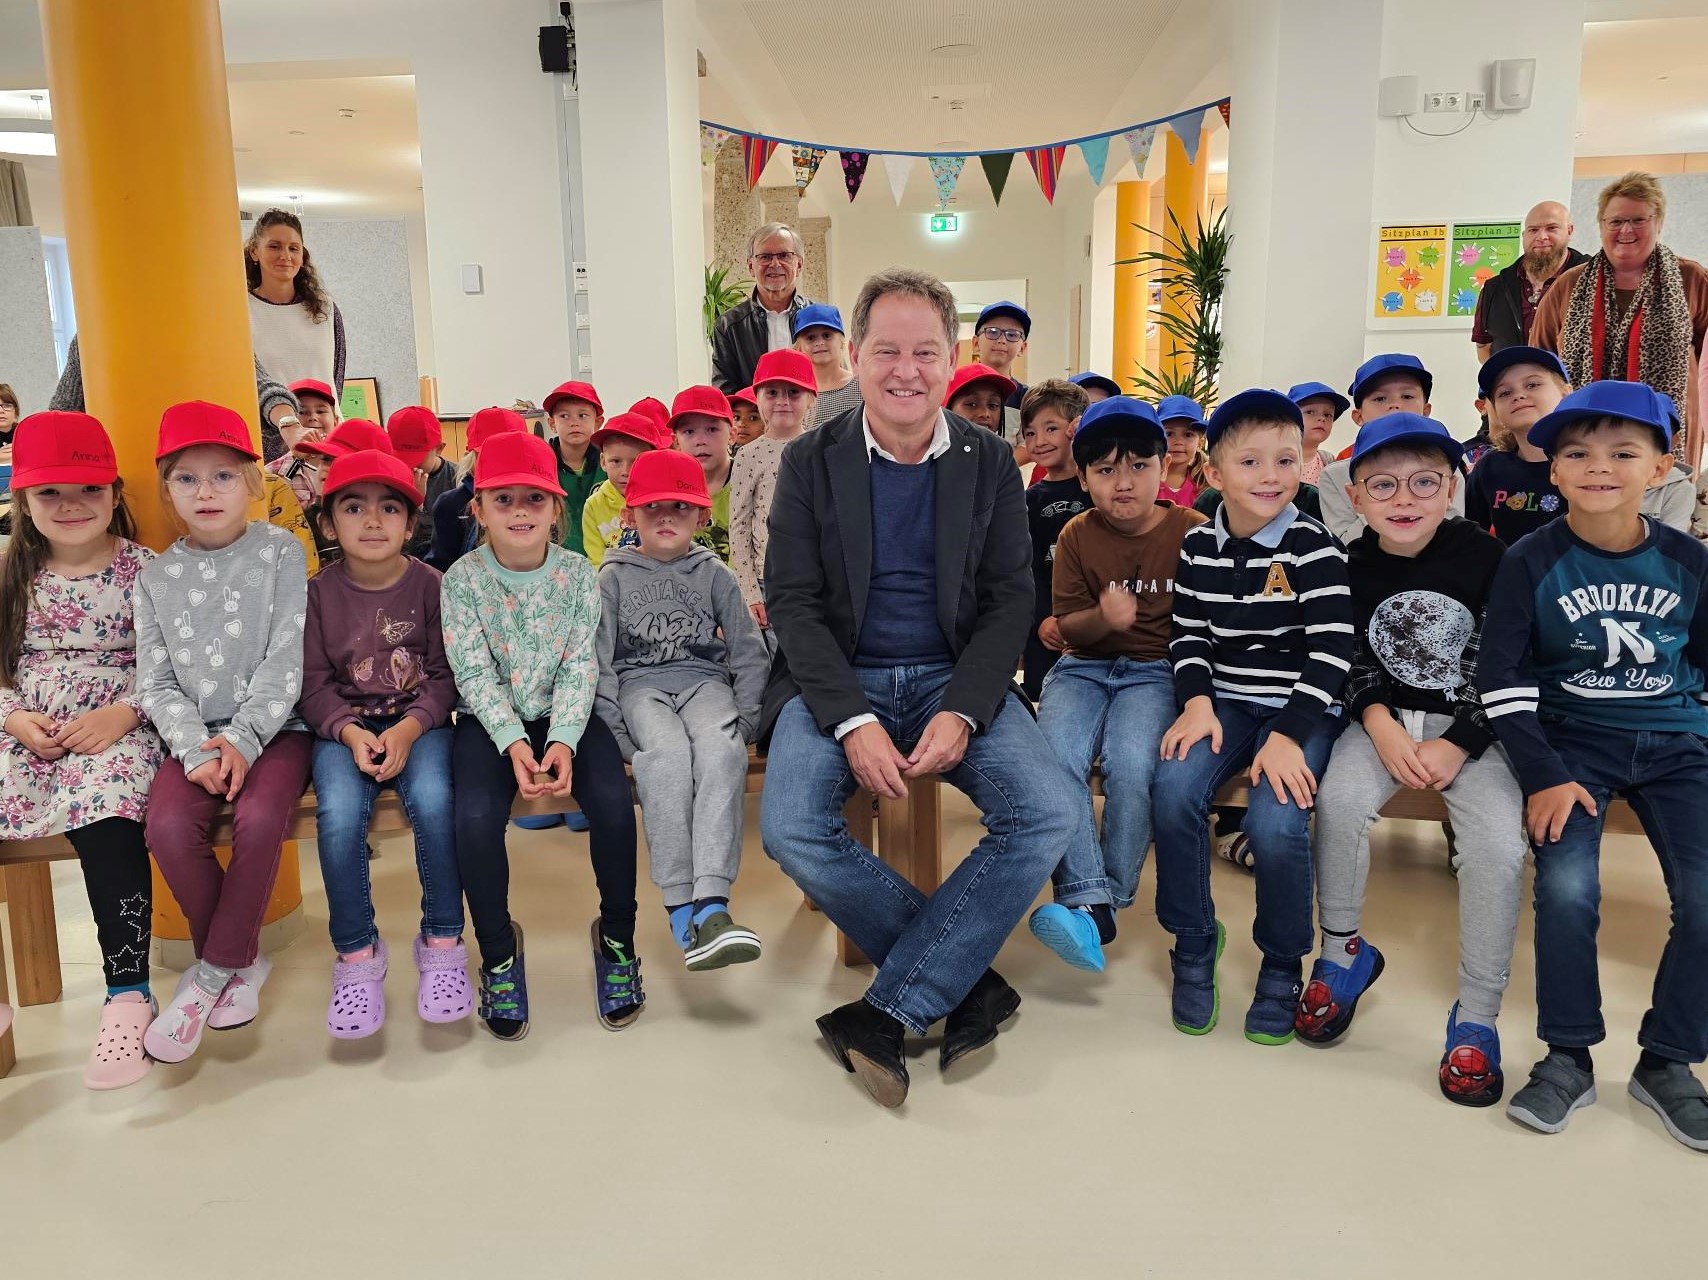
x=766, y=321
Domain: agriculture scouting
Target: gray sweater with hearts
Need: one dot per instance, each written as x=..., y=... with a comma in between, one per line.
x=219, y=643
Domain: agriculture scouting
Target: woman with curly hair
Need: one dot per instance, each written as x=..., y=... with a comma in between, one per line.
x=297, y=329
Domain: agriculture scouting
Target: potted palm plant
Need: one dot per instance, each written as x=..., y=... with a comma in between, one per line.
x=722, y=294
x=1192, y=269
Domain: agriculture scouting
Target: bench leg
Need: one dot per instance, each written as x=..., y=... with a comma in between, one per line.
x=910, y=840
x=8, y=1049
x=35, y=938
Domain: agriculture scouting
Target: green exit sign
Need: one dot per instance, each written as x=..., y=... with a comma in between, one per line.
x=943, y=223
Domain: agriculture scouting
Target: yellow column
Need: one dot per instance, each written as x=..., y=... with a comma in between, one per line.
x=1185, y=190
x=1132, y=292
x=143, y=128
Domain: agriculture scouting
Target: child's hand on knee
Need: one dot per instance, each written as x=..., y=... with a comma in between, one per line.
x=559, y=763
x=393, y=748
x=364, y=748
x=94, y=731
x=1546, y=812
x=1282, y=761
x=206, y=776
x=230, y=769
x=523, y=762
x=1442, y=761
x=35, y=731
x=1198, y=720
x=1396, y=749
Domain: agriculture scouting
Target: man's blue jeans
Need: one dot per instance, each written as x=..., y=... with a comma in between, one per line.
x=1114, y=710
x=1665, y=778
x=344, y=798
x=929, y=951
x=1280, y=835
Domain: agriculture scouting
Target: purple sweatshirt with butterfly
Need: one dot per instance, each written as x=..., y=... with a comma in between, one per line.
x=374, y=654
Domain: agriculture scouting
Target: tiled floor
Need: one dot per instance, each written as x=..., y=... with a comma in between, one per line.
x=717, y=1138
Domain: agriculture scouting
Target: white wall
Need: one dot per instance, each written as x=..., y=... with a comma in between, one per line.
x=27, y=358
x=364, y=264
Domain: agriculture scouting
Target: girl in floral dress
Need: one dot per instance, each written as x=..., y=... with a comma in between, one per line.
x=75, y=754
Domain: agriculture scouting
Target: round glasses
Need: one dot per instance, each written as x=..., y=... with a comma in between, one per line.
x=185, y=484
x=1423, y=484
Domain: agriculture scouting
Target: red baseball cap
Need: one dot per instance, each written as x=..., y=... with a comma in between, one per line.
x=517, y=458
x=195, y=422
x=350, y=436
x=62, y=448
x=491, y=422
x=653, y=408
x=636, y=426
x=968, y=374
x=415, y=434
x=666, y=476
x=746, y=396
x=785, y=365
x=707, y=400
x=370, y=466
x=314, y=387
x=574, y=391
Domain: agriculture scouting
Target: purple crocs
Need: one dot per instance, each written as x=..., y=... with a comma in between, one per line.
x=357, y=1009
x=444, y=994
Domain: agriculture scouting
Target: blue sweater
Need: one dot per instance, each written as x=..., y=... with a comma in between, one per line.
x=1611, y=640
x=900, y=624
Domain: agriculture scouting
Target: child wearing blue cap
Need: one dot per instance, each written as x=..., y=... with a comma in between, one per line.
x=1112, y=695
x=1592, y=673
x=1000, y=336
x=1320, y=405
x=1420, y=582
x=1049, y=415
x=1261, y=645
x=820, y=336
x=1183, y=466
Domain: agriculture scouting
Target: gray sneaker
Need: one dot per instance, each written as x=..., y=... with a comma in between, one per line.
x=1675, y=1095
x=1556, y=1089
x=720, y=941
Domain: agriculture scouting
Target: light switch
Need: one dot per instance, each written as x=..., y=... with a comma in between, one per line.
x=472, y=278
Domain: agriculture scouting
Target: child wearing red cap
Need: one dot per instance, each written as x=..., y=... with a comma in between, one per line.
x=378, y=694
x=573, y=413
x=417, y=436
x=787, y=394
x=979, y=394
x=620, y=441
x=76, y=755
x=700, y=425
x=454, y=530
x=317, y=417
x=219, y=626
x=746, y=425
x=520, y=615
x=681, y=673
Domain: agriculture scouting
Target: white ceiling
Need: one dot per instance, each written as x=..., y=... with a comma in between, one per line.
x=1644, y=87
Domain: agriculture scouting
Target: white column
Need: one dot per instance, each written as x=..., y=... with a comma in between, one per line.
x=642, y=195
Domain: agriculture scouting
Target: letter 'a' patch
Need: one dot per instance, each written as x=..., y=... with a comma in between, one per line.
x=1276, y=584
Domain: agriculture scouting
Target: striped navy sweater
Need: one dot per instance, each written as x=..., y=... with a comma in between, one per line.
x=1575, y=633
x=1265, y=619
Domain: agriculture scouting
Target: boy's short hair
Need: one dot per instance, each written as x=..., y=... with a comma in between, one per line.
x=1578, y=431
x=1118, y=443
x=1053, y=393
x=1238, y=429
x=1415, y=450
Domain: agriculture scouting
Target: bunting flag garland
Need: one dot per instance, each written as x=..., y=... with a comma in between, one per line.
x=1225, y=106
x=1096, y=153
x=996, y=168
x=1190, y=130
x=898, y=167
x=712, y=141
x=854, y=170
x=1139, y=142
x=806, y=161
x=755, y=152
x=1047, y=167
x=946, y=172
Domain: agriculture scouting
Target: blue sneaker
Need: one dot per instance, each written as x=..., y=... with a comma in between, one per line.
x=1270, y=1018
x=504, y=995
x=1331, y=996
x=1197, y=999
x=576, y=820
x=538, y=821
x=1470, y=1068
x=1069, y=932
x=616, y=983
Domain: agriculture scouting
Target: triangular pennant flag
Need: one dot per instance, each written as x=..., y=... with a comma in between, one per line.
x=946, y=172
x=1190, y=128
x=1047, y=165
x=755, y=152
x=1224, y=106
x=712, y=140
x=898, y=168
x=806, y=161
x=996, y=165
x=854, y=170
x=1139, y=142
x=1096, y=153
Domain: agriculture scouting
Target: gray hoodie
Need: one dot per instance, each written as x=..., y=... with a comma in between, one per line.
x=659, y=628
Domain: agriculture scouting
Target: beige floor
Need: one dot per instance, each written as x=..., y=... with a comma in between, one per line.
x=717, y=1138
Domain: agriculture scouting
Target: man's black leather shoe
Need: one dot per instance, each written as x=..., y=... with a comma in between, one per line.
x=868, y=1042
x=972, y=1024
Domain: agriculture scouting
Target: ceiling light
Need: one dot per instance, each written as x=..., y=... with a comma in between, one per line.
x=297, y=133
x=26, y=137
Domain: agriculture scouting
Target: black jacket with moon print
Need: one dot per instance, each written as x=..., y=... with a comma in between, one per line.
x=1417, y=622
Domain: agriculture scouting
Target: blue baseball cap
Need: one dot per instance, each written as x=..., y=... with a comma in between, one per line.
x=820, y=315
x=1300, y=392
x=1404, y=428
x=1006, y=309
x=1117, y=413
x=1172, y=408
x=1632, y=401
x=1509, y=357
x=1106, y=385
x=1377, y=367
x=1258, y=402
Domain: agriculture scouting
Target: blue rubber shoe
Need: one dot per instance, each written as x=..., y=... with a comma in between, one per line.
x=1331, y=996
x=1197, y=1002
x=576, y=820
x=504, y=995
x=1470, y=1067
x=616, y=984
x=1070, y=933
x=1270, y=1018
x=538, y=821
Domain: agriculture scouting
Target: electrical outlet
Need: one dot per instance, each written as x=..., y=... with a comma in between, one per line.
x=1444, y=101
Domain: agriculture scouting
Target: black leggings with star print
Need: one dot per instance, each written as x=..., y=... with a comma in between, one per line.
x=121, y=895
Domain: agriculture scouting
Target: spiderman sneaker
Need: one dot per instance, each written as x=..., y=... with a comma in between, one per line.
x=1470, y=1067
x=1331, y=996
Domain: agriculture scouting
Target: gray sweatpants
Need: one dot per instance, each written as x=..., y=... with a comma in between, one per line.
x=1487, y=809
x=691, y=772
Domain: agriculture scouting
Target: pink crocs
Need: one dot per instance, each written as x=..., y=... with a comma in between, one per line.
x=358, y=996
x=118, y=1058
x=444, y=994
